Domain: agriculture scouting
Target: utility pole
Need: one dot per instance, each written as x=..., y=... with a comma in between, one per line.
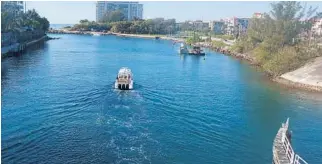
x=25, y=6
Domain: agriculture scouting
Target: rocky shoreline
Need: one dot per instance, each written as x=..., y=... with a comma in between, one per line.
x=311, y=82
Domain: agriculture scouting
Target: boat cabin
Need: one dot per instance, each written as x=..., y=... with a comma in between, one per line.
x=196, y=49
x=124, y=79
x=124, y=75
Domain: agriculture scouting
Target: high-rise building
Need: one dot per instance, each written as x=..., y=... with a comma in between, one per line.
x=130, y=10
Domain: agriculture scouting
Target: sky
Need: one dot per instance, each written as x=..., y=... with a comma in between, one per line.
x=70, y=12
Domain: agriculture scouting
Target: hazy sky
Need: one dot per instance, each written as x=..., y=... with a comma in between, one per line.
x=60, y=12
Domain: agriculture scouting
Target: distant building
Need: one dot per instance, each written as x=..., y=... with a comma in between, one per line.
x=230, y=24
x=242, y=24
x=258, y=15
x=15, y=6
x=199, y=25
x=130, y=10
x=217, y=27
x=236, y=26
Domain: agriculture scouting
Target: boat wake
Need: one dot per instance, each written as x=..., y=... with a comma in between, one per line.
x=125, y=120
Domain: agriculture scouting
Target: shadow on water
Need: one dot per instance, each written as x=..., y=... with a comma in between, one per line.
x=20, y=61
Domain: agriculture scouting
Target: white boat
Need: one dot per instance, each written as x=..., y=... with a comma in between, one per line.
x=124, y=79
x=96, y=34
x=183, y=49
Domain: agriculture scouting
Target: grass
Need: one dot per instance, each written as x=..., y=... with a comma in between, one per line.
x=226, y=37
x=219, y=44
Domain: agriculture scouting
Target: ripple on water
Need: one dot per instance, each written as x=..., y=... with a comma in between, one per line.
x=127, y=125
x=188, y=110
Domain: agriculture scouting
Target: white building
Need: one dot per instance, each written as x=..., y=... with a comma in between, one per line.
x=236, y=26
x=317, y=27
x=130, y=10
x=230, y=24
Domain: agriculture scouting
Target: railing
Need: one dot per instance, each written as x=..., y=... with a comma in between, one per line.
x=275, y=157
x=299, y=160
x=288, y=148
x=294, y=158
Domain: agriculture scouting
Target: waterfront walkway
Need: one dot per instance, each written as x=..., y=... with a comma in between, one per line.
x=283, y=152
x=310, y=74
x=18, y=46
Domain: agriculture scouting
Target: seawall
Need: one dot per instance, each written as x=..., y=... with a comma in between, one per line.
x=20, y=47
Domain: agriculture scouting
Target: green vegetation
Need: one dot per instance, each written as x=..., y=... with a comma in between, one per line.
x=86, y=25
x=67, y=27
x=13, y=20
x=194, y=39
x=114, y=16
x=219, y=44
x=280, y=42
x=149, y=26
x=226, y=37
x=188, y=26
x=115, y=22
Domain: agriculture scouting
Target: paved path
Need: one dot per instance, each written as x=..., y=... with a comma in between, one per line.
x=310, y=74
x=279, y=148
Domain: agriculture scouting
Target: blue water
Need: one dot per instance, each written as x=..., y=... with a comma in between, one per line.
x=58, y=106
x=59, y=26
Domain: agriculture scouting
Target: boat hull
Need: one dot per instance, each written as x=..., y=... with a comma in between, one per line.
x=197, y=54
x=123, y=86
x=183, y=51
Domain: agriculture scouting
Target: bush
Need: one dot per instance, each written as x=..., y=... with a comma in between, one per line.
x=261, y=54
x=274, y=40
x=226, y=37
x=219, y=44
x=194, y=39
x=285, y=60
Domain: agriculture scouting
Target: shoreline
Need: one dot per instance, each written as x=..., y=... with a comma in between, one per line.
x=291, y=79
x=20, y=47
x=146, y=36
x=288, y=80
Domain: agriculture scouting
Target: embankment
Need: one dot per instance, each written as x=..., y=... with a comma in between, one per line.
x=309, y=76
x=20, y=47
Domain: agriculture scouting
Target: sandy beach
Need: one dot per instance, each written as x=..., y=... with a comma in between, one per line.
x=64, y=31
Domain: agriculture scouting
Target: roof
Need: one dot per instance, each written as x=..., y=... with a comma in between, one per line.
x=125, y=70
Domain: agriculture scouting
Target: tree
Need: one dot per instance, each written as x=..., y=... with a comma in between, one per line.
x=277, y=36
x=113, y=16
x=83, y=21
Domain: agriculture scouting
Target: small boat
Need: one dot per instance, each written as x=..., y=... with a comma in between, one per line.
x=124, y=79
x=157, y=37
x=196, y=50
x=183, y=49
x=96, y=34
